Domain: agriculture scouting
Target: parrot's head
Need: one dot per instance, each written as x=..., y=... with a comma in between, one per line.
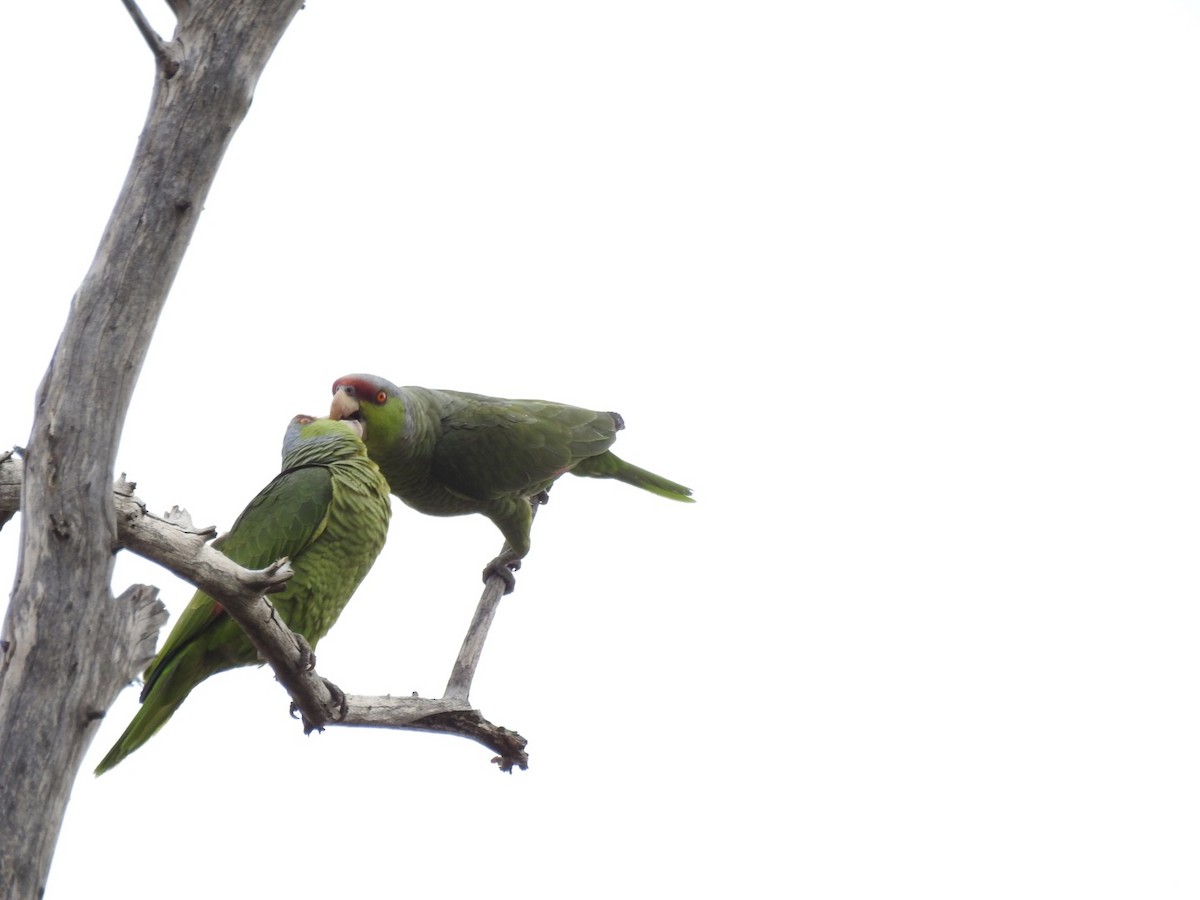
x=374, y=403
x=309, y=439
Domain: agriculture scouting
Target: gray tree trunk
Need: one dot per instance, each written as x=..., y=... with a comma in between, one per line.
x=68, y=644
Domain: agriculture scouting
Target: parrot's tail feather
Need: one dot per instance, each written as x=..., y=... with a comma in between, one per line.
x=166, y=694
x=609, y=465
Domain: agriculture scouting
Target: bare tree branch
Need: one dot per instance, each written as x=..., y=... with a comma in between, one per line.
x=10, y=486
x=148, y=617
x=181, y=8
x=166, y=55
x=463, y=673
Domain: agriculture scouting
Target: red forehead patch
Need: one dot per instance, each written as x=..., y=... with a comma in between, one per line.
x=362, y=387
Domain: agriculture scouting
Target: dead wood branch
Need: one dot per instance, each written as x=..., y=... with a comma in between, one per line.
x=165, y=54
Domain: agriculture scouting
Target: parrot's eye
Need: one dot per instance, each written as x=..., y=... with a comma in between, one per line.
x=381, y=397
x=304, y=420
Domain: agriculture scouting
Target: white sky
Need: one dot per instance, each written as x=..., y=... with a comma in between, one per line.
x=906, y=292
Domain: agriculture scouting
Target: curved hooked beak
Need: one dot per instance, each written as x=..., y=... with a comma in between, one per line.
x=354, y=425
x=344, y=406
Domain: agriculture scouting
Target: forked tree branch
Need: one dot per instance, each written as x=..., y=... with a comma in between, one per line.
x=165, y=54
x=172, y=542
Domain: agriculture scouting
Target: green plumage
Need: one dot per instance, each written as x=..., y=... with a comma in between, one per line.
x=328, y=512
x=448, y=453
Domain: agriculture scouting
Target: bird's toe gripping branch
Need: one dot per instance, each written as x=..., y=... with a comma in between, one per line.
x=339, y=698
x=308, y=657
x=517, y=535
x=502, y=567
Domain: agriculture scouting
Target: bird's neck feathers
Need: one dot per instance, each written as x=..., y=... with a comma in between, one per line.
x=324, y=449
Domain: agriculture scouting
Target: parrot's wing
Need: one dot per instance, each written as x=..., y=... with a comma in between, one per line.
x=490, y=448
x=286, y=516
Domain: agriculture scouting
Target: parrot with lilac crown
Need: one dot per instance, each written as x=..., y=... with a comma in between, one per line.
x=448, y=453
x=327, y=512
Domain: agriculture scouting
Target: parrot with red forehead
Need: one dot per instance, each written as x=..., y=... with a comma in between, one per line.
x=327, y=512
x=449, y=453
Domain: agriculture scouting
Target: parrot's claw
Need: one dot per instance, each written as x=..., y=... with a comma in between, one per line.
x=503, y=569
x=308, y=658
x=339, y=698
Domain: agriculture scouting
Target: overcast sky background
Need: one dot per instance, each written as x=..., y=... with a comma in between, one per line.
x=906, y=292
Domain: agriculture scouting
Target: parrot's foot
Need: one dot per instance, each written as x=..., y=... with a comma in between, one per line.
x=339, y=698
x=309, y=727
x=296, y=712
x=308, y=658
x=502, y=567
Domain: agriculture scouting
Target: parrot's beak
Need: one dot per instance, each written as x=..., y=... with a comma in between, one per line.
x=344, y=405
x=354, y=425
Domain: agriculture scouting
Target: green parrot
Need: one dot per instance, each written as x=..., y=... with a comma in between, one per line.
x=447, y=453
x=328, y=512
